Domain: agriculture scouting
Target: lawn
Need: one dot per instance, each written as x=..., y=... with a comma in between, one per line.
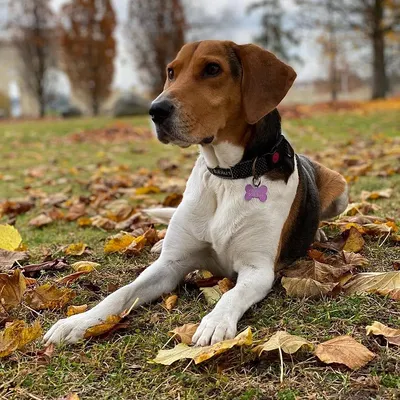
x=52, y=157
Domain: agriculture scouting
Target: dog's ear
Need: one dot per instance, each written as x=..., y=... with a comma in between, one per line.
x=265, y=81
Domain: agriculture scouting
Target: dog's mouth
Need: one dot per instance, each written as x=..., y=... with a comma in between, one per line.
x=169, y=136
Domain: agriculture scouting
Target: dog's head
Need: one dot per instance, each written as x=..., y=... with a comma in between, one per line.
x=215, y=89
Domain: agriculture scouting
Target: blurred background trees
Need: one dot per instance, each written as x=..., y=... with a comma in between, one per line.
x=88, y=48
x=60, y=52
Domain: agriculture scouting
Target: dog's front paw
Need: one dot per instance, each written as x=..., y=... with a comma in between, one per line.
x=213, y=329
x=69, y=330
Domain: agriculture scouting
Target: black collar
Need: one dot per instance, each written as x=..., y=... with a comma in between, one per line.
x=276, y=158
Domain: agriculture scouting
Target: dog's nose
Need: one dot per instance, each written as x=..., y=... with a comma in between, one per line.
x=161, y=110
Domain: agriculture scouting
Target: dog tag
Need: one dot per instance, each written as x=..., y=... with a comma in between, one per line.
x=256, y=192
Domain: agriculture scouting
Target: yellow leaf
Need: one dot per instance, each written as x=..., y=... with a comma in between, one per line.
x=76, y=249
x=288, y=343
x=48, y=296
x=10, y=239
x=354, y=242
x=225, y=285
x=184, y=333
x=97, y=330
x=16, y=335
x=84, y=221
x=390, y=334
x=212, y=294
x=378, y=194
x=148, y=189
x=201, y=354
x=136, y=246
x=344, y=350
x=170, y=302
x=306, y=287
x=373, y=282
x=118, y=243
x=12, y=288
x=72, y=310
x=87, y=266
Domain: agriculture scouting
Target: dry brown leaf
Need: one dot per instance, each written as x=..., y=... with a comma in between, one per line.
x=373, y=282
x=72, y=310
x=71, y=396
x=76, y=211
x=8, y=258
x=354, y=259
x=172, y=200
x=53, y=265
x=306, y=287
x=391, y=293
x=118, y=210
x=99, y=222
x=40, y=220
x=201, y=354
x=76, y=249
x=354, y=241
x=225, y=284
x=16, y=335
x=344, y=350
x=151, y=237
x=390, y=334
x=170, y=302
x=49, y=296
x=184, y=333
x=317, y=271
x=12, y=288
x=378, y=194
x=68, y=279
x=10, y=239
x=286, y=342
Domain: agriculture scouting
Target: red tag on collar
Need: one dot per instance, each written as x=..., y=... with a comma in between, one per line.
x=275, y=157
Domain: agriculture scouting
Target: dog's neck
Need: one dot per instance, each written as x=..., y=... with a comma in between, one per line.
x=258, y=139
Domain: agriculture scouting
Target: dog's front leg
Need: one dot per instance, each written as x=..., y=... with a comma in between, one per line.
x=159, y=278
x=253, y=284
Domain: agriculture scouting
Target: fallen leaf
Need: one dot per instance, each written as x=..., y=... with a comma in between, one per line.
x=151, y=236
x=68, y=279
x=317, y=271
x=87, y=266
x=16, y=335
x=288, y=343
x=49, y=297
x=391, y=335
x=136, y=246
x=148, y=190
x=76, y=211
x=373, y=282
x=391, y=293
x=8, y=258
x=70, y=396
x=344, y=350
x=170, y=302
x=40, y=220
x=76, y=249
x=84, y=221
x=118, y=210
x=225, y=284
x=172, y=200
x=357, y=260
x=100, y=222
x=306, y=287
x=30, y=281
x=118, y=243
x=52, y=265
x=201, y=354
x=12, y=288
x=184, y=333
x=378, y=194
x=354, y=241
x=72, y=310
x=211, y=294
x=10, y=239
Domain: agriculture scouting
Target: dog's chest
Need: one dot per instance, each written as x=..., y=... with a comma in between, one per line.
x=220, y=213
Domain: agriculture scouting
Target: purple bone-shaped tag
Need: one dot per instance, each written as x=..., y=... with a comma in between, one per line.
x=259, y=193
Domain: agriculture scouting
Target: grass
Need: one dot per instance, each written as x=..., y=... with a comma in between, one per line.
x=118, y=367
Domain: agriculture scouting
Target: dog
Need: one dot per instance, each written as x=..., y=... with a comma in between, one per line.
x=251, y=204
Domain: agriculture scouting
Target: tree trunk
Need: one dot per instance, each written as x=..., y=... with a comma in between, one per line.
x=95, y=108
x=42, y=109
x=379, y=80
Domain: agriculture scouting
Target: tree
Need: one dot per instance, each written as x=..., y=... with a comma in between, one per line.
x=374, y=20
x=88, y=48
x=274, y=35
x=34, y=37
x=158, y=31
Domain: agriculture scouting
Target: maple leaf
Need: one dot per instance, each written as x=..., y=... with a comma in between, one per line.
x=184, y=333
x=344, y=350
x=391, y=335
x=12, y=288
x=76, y=249
x=49, y=297
x=354, y=241
x=16, y=335
x=10, y=239
x=201, y=354
x=286, y=342
x=8, y=258
x=306, y=287
x=118, y=243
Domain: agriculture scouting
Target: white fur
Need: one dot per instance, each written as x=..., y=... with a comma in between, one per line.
x=214, y=228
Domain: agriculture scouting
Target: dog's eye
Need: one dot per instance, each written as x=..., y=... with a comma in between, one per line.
x=212, y=69
x=170, y=74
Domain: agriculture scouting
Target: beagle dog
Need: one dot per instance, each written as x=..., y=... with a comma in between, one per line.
x=251, y=205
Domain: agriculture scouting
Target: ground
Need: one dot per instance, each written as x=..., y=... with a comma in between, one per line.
x=117, y=366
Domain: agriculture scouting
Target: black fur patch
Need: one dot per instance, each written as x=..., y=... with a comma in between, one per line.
x=234, y=63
